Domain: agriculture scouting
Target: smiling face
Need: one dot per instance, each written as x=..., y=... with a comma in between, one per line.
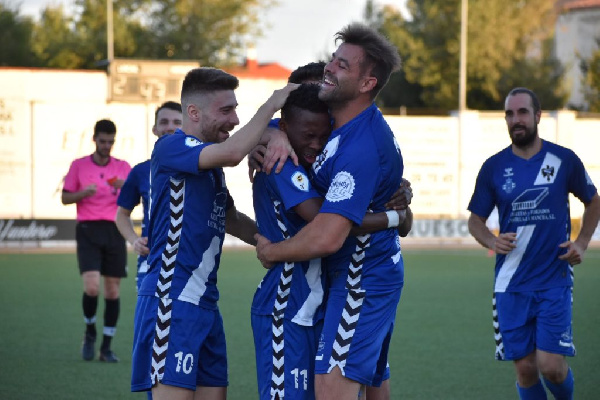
x=521, y=119
x=344, y=78
x=218, y=115
x=307, y=132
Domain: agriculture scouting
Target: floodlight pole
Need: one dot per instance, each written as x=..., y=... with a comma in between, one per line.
x=110, y=52
x=110, y=46
x=462, y=83
x=462, y=88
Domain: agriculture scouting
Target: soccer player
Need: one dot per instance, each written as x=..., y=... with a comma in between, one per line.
x=179, y=343
x=358, y=171
x=287, y=307
x=167, y=119
x=93, y=183
x=529, y=182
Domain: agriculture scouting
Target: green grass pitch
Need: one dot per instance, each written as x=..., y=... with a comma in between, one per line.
x=442, y=346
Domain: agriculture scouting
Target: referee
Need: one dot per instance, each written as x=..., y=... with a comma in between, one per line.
x=93, y=183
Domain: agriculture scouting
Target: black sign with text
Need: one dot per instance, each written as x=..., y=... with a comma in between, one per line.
x=35, y=230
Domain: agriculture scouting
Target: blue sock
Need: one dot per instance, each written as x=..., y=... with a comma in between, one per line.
x=535, y=392
x=562, y=391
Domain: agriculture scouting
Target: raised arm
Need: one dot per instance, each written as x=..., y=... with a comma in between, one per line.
x=233, y=150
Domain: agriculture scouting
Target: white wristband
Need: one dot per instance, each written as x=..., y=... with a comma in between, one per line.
x=393, y=219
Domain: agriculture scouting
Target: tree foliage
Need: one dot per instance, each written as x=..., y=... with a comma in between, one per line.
x=15, y=36
x=507, y=44
x=213, y=32
x=591, y=80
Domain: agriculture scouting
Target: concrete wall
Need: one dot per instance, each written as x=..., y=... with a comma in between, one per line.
x=47, y=118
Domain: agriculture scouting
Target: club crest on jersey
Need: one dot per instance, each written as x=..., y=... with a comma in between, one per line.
x=191, y=142
x=341, y=188
x=548, y=170
x=509, y=185
x=300, y=181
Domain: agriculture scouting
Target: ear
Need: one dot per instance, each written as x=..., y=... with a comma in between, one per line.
x=282, y=125
x=368, y=84
x=193, y=112
x=154, y=130
x=538, y=116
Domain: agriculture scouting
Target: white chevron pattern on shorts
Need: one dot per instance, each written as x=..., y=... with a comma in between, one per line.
x=163, y=286
x=354, y=302
x=497, y=334
x=283, y=292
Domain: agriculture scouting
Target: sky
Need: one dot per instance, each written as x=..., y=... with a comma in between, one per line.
x=296, y=32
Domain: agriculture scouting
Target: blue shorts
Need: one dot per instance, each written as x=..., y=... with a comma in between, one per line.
x=299, y=349
x=142, y=271
x=526, y=321
x=185, y=349
x=356, y=334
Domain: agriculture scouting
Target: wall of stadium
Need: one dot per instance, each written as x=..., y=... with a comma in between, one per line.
x=47, y=118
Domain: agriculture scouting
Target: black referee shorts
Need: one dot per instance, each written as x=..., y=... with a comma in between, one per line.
x=100, y=247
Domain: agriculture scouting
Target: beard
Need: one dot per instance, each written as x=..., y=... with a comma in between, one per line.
x=526, y=139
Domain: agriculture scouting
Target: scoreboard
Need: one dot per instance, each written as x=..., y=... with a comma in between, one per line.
x=132, y=80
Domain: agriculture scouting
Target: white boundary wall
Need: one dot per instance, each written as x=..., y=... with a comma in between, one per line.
x=47, y=118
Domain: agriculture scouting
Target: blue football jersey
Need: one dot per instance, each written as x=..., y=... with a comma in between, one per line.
x=294, y=289
x=532, y=197
x=187, y=222
x=358, y=171
x=136, y=187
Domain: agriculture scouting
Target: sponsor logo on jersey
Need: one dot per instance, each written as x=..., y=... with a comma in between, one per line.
x=300, y=181
x=508, y=172
x=341, y=188
x=191, y=142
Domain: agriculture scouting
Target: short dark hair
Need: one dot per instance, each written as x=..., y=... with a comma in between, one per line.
x=306, y=97
x=534, y=100
x=380, y=54
x=105, y=126
x=310, y=72
x=170, y=105
x=206, y=79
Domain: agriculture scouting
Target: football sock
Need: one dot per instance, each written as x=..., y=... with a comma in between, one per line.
x=564, y=390
x=111, y=315
x=535, y=392
x=90, y=304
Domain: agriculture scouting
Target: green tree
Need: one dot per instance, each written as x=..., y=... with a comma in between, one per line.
x=53, y=41
x=591, y=80
x=506, y=42
x=15, y=36
x=212, y=31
